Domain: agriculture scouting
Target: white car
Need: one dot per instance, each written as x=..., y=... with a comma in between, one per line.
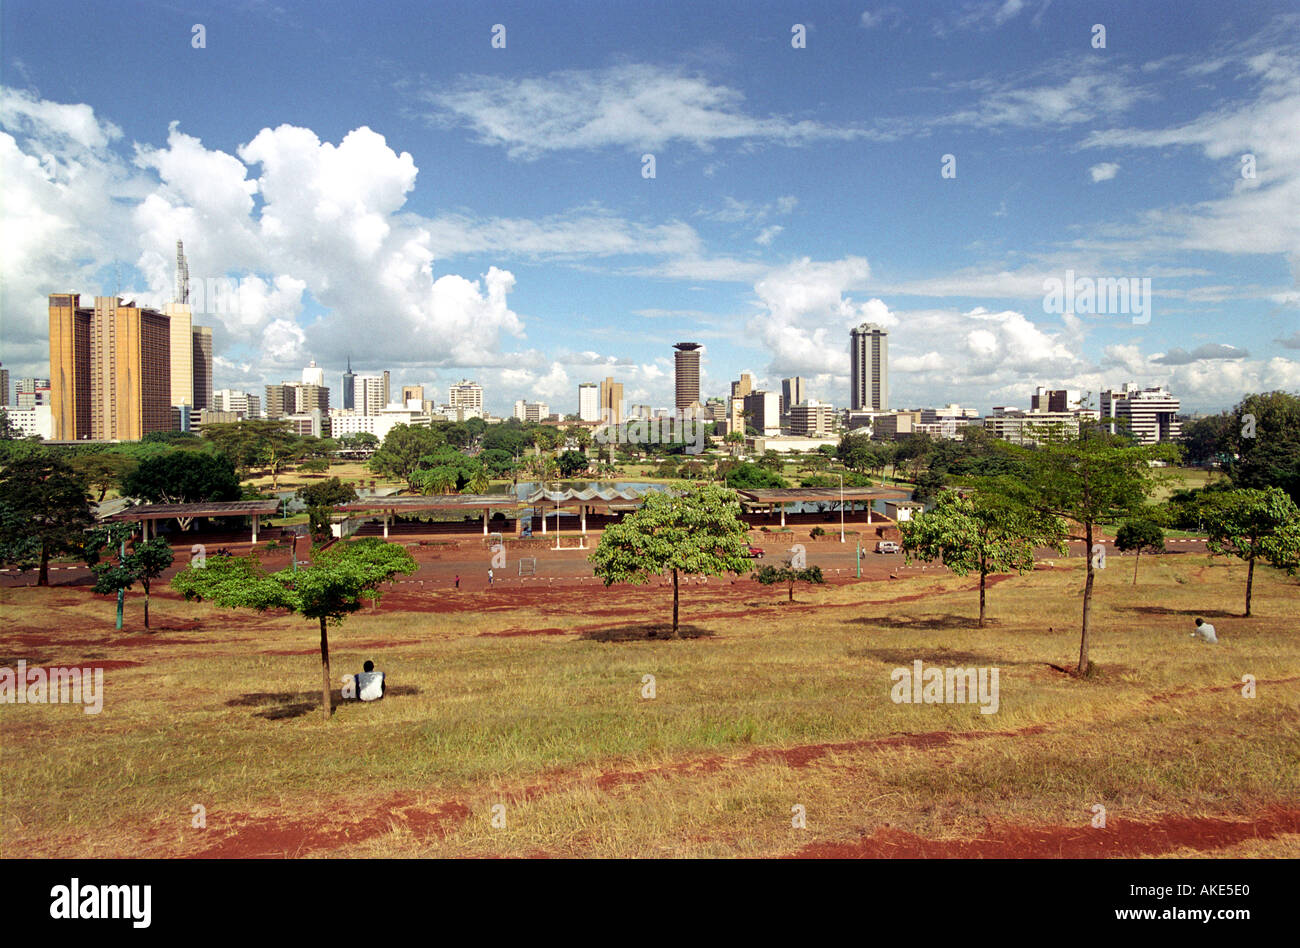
x=887, y=546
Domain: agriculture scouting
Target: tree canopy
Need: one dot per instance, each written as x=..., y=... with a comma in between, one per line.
x=44, y=511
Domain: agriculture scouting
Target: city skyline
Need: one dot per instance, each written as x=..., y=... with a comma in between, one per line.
x=797, y=192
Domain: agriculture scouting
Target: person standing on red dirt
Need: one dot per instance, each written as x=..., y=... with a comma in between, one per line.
x=458, y=580
x=491, y=578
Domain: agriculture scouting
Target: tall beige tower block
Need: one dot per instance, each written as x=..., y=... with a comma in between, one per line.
x=182, y=325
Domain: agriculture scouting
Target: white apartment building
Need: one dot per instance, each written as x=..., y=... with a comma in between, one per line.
x=589, y=402
x=531, y=411
x=379, y=423
x=244, y=404
x=37, y=420
x=466, y=394
x=1149, y=414
x=1030, y=427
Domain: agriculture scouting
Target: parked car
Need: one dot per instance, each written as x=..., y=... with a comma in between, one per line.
x=888, y=546
x=756, y=552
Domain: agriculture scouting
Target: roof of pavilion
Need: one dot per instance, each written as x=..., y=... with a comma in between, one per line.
x=433, y=502
x=813, y=495
x=230, y=508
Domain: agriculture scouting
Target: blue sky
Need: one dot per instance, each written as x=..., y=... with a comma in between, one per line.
x=382, y=182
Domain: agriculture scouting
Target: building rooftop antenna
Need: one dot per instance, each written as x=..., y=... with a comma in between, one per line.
x=182, y=290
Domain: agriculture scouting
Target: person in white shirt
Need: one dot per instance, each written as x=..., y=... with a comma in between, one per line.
x=1205, y=631
x=370, y=683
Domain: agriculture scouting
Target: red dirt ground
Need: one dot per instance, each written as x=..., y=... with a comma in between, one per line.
x=1120, y=838
x=271, y=837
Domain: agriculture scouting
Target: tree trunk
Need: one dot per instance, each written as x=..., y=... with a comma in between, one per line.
x=325, y=670
x=1136, y=556
x=1087, y=602
x=43, y=577
x=792, y=590
x=982, y=577
x=675, y=630
x=1250, y=581
x=146, y=607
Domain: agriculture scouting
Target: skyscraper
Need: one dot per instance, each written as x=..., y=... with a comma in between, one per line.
x=388, y=394
x=869, y=368
x=313, y=375
x=588, y=401
x=466, y=394
x=413, y=393
x=611, y=401
x=202, y=366
x=793, y=391
x=349, y=386
x=70, y=366
x=4, y=386
x=181, y=332
x=688, y=375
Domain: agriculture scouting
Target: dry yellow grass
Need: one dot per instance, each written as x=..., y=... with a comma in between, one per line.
x=554, y=726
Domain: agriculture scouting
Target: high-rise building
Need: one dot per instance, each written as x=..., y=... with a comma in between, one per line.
x=313, y=375
x=110, y=369
x=32, y=392
x=349, y=387
x=531, y=411
x=466, y=394
x=611, y=401
x=743, y=387
x=370, y=394
x=763, y=411
x=202, y=367
x=688, y=376
x=1057, y=399
x=1150, y=415
x=4, y=386
x=296, y=398
x=413, y=393
x=869, y=368
x=793, y=391
x=181, y=332
x=388, y=393
x=589, y=402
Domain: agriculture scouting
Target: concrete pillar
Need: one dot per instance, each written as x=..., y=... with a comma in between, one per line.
x=485, y=521
x=385, y=524
x=543, y=520
x=257, y=519
x=783, y=515
x=584, y=519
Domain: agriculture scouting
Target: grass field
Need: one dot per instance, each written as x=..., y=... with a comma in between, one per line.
x=531, y=699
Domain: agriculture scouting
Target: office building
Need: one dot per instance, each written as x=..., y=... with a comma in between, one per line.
x=793, y=391
x=611, y=401
x=349, y=387
x=36, y=421
x=764, y=413
x=32, y=392
x=812, y=419
x=688, y=376
x=4, y=386
x=203, y=367
x=369, y=394
x=313, y=375
x=1150, y=415
x=413, y=393
x=244, y=405
x=465, y=394
x=289, y=399
x=110, y=369
x=589, y=402
x=869, y=368
x=743, y=387
x=531, y=411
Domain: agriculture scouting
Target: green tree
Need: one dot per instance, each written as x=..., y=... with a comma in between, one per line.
x=399, y=455
x=331, y=588
x=747, y=476
x=1090, y=478
x=183, y=477
x=44, y=512
x=572, y=463
x=103, y=470
x=314, y=466
x=788, y=575
x=691, y=530
x=143, y=563
x=982, y=532
x=1263, y=443
x=1252, y=525
x=1139, y=534
x=327, y=493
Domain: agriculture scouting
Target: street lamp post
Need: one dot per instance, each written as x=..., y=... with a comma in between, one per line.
x=841, y=477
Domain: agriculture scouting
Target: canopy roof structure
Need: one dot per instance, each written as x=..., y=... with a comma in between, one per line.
x=819, y=495
x=229, y=508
